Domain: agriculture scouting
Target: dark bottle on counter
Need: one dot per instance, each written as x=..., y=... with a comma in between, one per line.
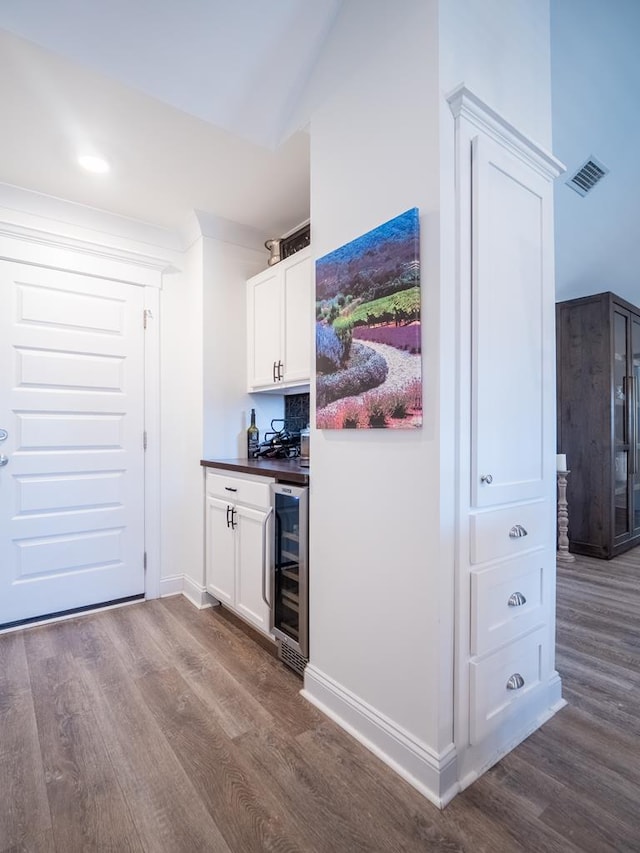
x=253, y=437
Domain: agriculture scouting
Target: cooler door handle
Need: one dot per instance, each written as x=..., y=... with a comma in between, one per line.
x=265, y=562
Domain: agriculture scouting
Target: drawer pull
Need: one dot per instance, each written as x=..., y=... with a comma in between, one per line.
x=515, y=682
x=517, y=531
x=487, y=478
x=230, y=489
x=516, y=599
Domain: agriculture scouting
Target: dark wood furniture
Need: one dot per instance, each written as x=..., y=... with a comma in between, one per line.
x=598, y=358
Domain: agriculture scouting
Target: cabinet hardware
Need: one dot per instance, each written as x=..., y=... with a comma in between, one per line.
x=230, y=489
x=486, y=478
x=4, y=460
x=228, y=512
x=517, y=531
x=3, y=435
x=516, y=599
x=280, y=371
x=275, y=378
x=515, y=682
x=234, y=523
x=265, y=551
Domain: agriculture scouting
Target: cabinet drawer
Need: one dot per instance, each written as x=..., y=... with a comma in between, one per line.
x=236, y=489
x=492, y=703
x=508, y=532
x=506, y=601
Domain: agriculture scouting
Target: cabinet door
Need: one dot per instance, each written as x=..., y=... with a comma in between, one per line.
x=512, y=328
x=296, y=295
x=252, y=533
x=220, y=562
x=264, y=330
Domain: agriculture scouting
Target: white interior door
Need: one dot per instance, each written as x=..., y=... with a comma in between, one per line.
x=72, y=406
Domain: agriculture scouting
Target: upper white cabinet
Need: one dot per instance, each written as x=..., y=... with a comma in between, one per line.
x=279, y=325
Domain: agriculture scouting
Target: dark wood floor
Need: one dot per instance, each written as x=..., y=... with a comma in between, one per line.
x=160, y=728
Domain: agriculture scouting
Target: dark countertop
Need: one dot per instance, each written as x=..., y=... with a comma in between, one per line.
x=285, y=470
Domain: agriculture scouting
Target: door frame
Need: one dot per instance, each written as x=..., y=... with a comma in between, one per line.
x=44, y=248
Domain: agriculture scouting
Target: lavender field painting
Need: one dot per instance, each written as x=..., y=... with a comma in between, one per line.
x=368, y=341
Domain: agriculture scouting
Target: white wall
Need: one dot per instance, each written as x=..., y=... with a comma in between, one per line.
x=226, y=268
x=501, y=50
x=379, y=592
x=181, y=371
x=383, y=503
x=596, y=79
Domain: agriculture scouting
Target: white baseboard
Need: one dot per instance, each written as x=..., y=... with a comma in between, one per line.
x=196, y=593
x=434, y=775
x=171, y=586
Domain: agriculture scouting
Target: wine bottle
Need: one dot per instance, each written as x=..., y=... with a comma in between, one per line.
x=253, y=437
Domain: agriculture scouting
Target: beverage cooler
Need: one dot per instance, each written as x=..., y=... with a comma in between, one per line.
x=289, y=586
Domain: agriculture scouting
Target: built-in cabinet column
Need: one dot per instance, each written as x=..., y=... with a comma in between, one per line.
x=506, y=683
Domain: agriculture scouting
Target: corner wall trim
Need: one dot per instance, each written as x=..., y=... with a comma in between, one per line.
x=172, y=585
x=196, y=593
x=433, y=775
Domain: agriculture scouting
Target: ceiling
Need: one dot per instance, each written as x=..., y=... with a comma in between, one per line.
x=195, y=106
x=190, y=102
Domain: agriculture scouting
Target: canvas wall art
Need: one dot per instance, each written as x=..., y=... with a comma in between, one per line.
x=368, y=334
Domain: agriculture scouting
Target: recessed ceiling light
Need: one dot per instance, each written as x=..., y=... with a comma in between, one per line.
x=97, y=165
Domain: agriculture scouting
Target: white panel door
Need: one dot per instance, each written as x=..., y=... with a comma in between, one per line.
x=297, y=321
x=221, y=551
x=264, y=329
x=512, y=331
x=251, y=565
x=72, y=405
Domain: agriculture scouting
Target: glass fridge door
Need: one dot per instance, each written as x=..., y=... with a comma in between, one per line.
x=621, y=403
x=289, y=580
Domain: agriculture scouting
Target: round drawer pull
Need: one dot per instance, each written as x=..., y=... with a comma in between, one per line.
x=515, y=682
x=517, y=531
x=486, y=478
x=516, y=599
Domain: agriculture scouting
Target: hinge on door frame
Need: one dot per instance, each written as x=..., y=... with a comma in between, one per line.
x=147, y=314
x=144, y=561
x=144, y=440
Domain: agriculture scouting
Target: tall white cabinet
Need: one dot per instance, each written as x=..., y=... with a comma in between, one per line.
x=506, y=684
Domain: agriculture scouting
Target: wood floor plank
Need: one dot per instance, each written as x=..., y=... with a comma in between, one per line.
x=247, y=816
x=172, y=722
x=24, y=807
x=233, y=706
x=331, y=820
x=168, y=812
x=88, y=810
x=137, y=649
x=401, y=814
x=275, y=687
x=14, y=672
x=588, y=827
x=41, y=843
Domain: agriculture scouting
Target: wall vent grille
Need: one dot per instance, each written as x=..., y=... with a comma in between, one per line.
x=588, y=175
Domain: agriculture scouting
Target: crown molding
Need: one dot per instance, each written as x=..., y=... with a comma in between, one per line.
x=465, y=104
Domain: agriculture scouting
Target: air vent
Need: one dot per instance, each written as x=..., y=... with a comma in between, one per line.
x=587, y=176
x=291, y=657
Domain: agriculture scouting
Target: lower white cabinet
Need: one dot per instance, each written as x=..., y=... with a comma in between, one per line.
x=238, y=526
